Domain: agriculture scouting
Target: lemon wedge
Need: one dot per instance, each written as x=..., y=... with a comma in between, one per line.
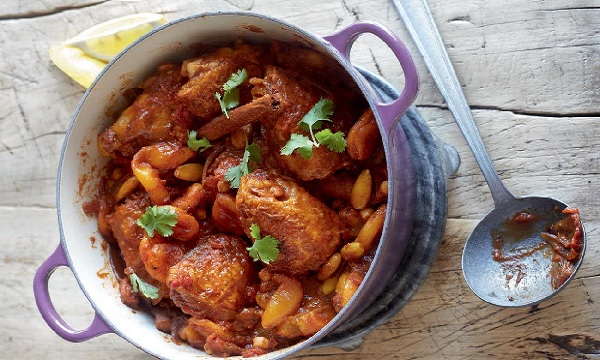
x=83, y=57
x=105, y=40
x=76, y=64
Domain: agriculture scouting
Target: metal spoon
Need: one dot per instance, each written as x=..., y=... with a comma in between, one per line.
x=514, y=281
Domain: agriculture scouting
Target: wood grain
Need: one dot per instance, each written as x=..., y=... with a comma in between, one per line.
x=531, y=73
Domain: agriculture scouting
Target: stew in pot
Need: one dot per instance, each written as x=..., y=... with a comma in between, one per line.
x=245, y=195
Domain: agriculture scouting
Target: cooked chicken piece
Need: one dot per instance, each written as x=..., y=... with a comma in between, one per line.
x=160, y=254
x=215, y=338
x=297, y=96
x=128, y=296
x=305, y=61
x=209, y=72
x=222, y=161
x=215, y=280
x=323, y=73
x=225, y=215
x=149, y=119
x=307, y=230
x=129, y=234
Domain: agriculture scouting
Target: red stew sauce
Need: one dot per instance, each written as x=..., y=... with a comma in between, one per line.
x=563, y=237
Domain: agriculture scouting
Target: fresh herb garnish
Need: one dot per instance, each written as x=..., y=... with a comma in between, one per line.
x=159, y=218
x=231, y=92
x=334, y=141
x=140, y=286
x=300, y=143
x=313, y=120
x=264, y=249
x=235, y=173
x=197, y=144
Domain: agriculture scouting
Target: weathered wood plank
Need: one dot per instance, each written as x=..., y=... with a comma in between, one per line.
x=518, y=55
x=534, y=155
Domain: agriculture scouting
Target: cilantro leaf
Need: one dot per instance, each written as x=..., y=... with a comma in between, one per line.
x=236, y=79
x=320, y=112
x=140, y=286
x=313, y=120
x=231, y=93
x=159, y=218
x=235, y=173
x=228, y=101
x=234, y=176
x=197, y=144
x=298, y=142
x=253, y=153
x=334, y=141
x=264, y=249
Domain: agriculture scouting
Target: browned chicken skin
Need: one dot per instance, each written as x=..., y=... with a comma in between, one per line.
x=297, y=96
x=149, y=119
x=159, y=255
x=215, y=280
x=307, y=229
x=209, y=72
x=128, y=234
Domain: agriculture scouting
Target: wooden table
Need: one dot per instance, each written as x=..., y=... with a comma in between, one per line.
x=531, y=73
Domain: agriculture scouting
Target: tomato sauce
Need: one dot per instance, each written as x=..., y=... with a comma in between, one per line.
x=562, y=241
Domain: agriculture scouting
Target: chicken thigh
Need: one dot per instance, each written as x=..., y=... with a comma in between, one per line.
x=307, y=230
x=149, y=119
x=128, y=233
x=209, y=72
x=297, y=96
x=215, y=280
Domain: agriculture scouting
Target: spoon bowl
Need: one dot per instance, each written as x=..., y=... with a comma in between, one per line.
x=505, y=262
x=514, y=281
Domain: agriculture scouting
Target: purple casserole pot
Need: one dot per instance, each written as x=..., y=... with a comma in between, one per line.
x=80, y=164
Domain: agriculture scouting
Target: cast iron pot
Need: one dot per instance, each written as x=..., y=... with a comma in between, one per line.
x=80, y=164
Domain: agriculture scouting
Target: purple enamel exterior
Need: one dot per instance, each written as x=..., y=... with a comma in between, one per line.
x=46, y=308
x=389, y=113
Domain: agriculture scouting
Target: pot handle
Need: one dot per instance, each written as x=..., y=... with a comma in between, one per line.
x=390, y=112
x=49, y=313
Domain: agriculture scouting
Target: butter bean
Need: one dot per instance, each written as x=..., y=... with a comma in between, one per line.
x=126, y=188
x=361, y=191
x=352, y=251
x=371, y=231
x=330, y=266
x=189, y=172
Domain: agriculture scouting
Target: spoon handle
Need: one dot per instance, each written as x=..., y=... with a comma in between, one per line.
x=421, y=26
